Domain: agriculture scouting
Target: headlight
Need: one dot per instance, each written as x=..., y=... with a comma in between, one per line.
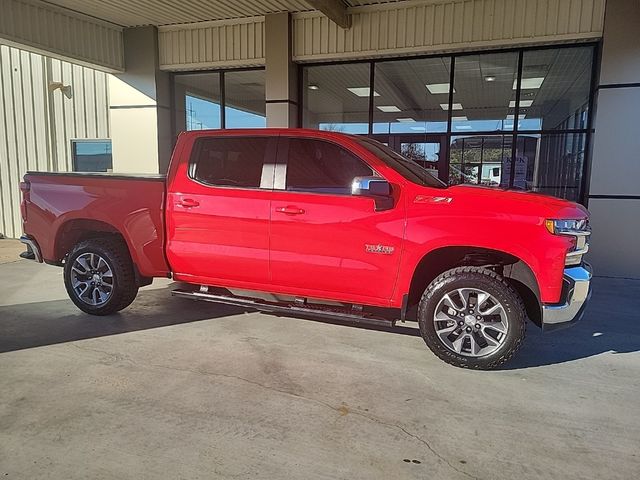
x=567, y=227
x=579, y=230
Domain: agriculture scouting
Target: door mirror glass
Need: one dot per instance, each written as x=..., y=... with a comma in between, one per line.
x=370, y=186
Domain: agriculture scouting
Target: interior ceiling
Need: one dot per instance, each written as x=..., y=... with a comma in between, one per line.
x=134, y=13
x=402, y=84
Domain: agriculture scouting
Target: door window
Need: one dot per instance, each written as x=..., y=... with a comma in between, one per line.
x=322, y=167
x=229, y=162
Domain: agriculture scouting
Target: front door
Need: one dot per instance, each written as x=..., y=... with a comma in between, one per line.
x=218, y=211
x=324, y=241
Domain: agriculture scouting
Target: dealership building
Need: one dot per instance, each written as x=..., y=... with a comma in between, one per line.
x=538, y=95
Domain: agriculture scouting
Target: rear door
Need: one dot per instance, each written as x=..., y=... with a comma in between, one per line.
x=218, y=208
x=324, y=241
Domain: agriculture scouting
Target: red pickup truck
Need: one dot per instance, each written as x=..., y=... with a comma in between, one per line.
x=320, y=223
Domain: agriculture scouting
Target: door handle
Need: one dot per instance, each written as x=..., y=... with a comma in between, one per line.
x=188, y=202
x=290, y=210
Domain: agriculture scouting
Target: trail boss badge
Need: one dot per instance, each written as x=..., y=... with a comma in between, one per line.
x=384, y=249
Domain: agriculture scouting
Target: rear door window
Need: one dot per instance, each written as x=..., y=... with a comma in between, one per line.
x=322, y=167
x=230, y=161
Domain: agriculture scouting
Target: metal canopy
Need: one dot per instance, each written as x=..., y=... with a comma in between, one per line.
x=134, y=13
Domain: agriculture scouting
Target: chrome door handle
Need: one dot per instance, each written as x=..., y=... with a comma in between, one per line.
x=290, y=210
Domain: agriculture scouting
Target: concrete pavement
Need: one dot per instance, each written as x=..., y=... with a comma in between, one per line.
x=170, y=388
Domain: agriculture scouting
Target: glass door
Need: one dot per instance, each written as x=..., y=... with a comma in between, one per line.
x=428, y=151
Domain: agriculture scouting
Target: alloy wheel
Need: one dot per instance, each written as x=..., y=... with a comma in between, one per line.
x=92, y=279
x=470, y=322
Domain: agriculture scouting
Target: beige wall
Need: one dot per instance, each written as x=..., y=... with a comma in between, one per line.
x=140, y=107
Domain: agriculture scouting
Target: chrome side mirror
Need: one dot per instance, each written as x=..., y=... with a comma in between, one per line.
x=375, y=187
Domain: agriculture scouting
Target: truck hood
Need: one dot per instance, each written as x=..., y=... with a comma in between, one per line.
x=509, y=200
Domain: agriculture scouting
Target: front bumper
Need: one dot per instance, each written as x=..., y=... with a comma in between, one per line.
x=576, y=292
x=32, y=247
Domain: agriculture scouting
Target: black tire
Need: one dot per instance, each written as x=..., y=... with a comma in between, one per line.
x=124, y=288
x=491, y=283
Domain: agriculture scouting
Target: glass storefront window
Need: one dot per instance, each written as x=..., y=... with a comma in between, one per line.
x=480, y=160
x=336, y=97
x=407, y=108
x=244, y=93
x=555, y=88
x=483, y=90
x=410, y=96
x=197, y=101
x=425, y=154
x=554, y=163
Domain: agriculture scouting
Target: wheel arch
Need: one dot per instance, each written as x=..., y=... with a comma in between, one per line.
x=512, y=268
x=77, y=230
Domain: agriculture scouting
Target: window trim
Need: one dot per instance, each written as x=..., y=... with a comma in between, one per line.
x=280, y=177
x=268, y=162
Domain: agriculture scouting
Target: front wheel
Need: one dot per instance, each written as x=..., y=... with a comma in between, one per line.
x=471, y=317
x=99, y=276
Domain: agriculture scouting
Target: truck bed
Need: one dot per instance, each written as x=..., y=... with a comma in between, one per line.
x=59, y=205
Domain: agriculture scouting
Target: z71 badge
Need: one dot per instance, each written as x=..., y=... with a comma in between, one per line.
x=385, y=249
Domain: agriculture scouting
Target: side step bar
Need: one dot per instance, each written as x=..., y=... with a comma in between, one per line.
x=301, y=308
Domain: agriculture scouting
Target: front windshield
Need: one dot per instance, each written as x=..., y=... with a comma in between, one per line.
x=405, y=167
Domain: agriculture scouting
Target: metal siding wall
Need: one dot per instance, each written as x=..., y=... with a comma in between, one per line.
x=36, y=127
x=422, y=27
x=203, y=45
x=46, y=28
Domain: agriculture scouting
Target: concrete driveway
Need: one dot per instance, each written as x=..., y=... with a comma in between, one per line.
x=170, y=388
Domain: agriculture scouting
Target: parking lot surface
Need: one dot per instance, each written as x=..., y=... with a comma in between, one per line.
x=171, y=388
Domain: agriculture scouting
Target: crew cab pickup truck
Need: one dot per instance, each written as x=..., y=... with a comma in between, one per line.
x=318, y=223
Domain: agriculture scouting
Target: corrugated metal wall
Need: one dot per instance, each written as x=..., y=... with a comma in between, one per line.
x=422, y=27
x=47, y=28
x=36, y=125
x=394, y=28
x=226, y=43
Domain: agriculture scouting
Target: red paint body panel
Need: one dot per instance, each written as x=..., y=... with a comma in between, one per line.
x=132, y=206
x=297, y=243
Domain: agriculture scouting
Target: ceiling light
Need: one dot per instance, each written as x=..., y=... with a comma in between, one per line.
x=405, y=120
x=313, y=87
x=455, y=106
x=523, y=103
x=436, y=88
x=463, y=127
x=528, y=83
x=388, y=108
x=489, y=78
x=362, y=91
x=418, y=129
x=459, y=119
x=520, y=117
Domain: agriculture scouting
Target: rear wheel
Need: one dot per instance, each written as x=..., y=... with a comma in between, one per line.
x=99, y=276
x=471, y=317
